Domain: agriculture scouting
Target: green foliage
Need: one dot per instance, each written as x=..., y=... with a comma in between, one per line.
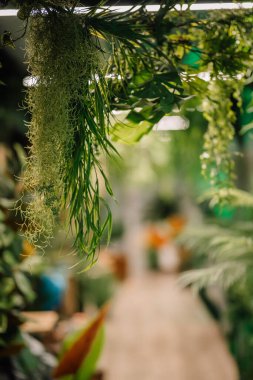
x=152, y=258
x=81, y=350
x=197, y=43
x=67, y=132
x=16, y=291
x=206, y=44
x=88, y=65
x=96, y=289
x=235, y=197
x=222, y=255
x=88, y=365
x=32, y=362
x=217, y=162
x=225, y=252
x=129, y=127
x=186, y=147
x=70, y=115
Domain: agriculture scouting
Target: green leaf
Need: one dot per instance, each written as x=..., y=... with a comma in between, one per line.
x=192, y=59
x=3, y=323
x=129, y=133
x=7, y=285
x=147, y=111
x=246, y=128
x=4, y=302
x=152, y=90
x=118, y=29
x=79, y=346
x=141, y=78
x=17, y=301
x=24, y=285
x=88, y=366
x=135, y=117
x=168, y=77
x=6, y=237
x=167, y=103
x=9, y=258
x=30, y=362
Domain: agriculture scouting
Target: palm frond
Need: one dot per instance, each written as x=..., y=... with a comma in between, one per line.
x=235, y=197
x=226, y=252
x=225, y=275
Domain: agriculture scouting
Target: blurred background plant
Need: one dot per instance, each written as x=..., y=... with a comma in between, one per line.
x=221, y=269
x=16, y=289
x=28, y=282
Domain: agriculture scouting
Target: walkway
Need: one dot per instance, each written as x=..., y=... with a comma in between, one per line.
x=158, y=331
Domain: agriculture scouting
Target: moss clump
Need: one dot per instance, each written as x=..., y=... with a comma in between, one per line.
x=63, y=58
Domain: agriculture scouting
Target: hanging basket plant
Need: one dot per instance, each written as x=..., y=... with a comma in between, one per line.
x=78, y=62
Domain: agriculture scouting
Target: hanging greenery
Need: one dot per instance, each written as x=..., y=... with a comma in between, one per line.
x=217, y=160
x=63, y=169
x=70, y=104
x=87, y=65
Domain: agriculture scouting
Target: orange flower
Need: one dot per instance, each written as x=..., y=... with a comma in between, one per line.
x=177, y=223
x=156, y=240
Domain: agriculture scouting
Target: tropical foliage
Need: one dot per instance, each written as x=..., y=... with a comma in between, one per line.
x=222, y=257
x=81, y=350
x=88, y=65
x=70, y=131
x=103, y=76
x=16, y=288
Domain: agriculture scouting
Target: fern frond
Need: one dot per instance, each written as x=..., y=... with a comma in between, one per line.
x=224, y=274
x=227, y=253
x=235, y=197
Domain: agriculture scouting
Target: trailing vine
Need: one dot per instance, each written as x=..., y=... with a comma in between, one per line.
x=217, y=159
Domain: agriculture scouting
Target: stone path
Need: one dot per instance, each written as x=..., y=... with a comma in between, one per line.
x=157, y=331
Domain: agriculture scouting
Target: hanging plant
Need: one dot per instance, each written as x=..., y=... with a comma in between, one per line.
x=66, y=129
x=70, y=56
x=218, y=108
x=85, y=66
